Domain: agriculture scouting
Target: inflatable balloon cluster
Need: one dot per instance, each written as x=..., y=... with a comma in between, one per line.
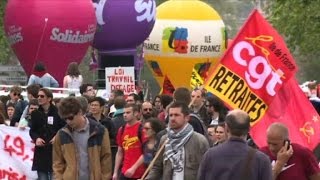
x=59, y=32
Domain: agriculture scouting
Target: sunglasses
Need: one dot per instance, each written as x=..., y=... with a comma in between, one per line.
x=41, y=96
x=147, y=109
x=15, y=94
x=70, y=118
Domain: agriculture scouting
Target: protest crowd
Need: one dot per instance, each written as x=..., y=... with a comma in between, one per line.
x=186, y=135
x=244, y=119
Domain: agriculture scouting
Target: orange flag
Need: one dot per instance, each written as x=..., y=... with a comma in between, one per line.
x=256, y=74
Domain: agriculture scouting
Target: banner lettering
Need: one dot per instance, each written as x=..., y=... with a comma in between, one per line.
x=16, y=149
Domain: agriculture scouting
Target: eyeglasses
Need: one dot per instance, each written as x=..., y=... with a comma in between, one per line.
x=147, y=109
x=41, y=96
x=15, y=94
x=70, y=118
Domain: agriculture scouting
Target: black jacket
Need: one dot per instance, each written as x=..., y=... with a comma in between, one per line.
x=40, y=128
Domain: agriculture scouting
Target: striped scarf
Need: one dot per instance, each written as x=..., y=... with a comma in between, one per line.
x=175, y=142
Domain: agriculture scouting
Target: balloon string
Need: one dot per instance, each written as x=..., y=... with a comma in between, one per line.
x=41, y=39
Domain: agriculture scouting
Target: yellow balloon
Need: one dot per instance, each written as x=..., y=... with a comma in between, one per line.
x=187, y=34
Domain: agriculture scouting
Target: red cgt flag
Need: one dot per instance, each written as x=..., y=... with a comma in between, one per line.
x=291, y=107
x=256, y=74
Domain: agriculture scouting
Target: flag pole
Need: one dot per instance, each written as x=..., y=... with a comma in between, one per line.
x=41, y=39
x=153, y=160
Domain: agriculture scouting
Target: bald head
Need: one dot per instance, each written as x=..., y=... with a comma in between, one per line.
x=238, y=122
x=278, y=130
x=147, y=110
x=146, y=103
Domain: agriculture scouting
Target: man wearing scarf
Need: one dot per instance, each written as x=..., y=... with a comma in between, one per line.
x=183, y=150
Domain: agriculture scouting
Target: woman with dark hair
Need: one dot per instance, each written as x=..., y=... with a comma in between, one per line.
x=157, y=103
x=45, y=123
x=73, y=78
x=151, y=127
x=40, y=76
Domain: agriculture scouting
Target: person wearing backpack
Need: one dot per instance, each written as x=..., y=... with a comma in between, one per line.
x=130, y=154
x=198, y=98
x=183, y=94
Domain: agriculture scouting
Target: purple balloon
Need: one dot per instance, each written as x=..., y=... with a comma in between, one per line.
x=123, y=23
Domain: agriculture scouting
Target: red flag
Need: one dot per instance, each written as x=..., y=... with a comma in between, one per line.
x=167, y=87
x=291, y=107
x=256, y=70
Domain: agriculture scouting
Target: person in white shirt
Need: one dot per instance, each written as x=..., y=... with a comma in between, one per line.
x=73, y=78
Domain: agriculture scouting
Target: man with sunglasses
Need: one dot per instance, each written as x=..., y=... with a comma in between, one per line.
x=15, y=94
x=15, y=98
x=147, y=111
x=81, y=150
x=22, y=107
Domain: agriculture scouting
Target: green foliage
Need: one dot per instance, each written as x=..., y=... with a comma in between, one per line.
x=5, y=50
x=299, y=22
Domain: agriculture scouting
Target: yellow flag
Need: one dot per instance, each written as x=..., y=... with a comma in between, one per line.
x=196, y=80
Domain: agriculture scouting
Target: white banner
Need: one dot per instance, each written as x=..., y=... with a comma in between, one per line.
x=120, y=78
x=16, y=154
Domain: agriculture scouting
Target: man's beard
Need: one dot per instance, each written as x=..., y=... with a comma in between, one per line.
x=147, y=115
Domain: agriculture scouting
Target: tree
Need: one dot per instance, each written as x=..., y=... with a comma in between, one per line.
x=5, y=50
x=299, y=22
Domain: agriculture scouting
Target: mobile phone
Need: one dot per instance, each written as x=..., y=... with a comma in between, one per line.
x=284, y=143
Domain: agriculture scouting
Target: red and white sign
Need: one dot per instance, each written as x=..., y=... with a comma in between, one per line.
x=120, y=78
x=16, y=154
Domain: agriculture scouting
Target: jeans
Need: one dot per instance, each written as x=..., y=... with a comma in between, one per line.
x=44, y=175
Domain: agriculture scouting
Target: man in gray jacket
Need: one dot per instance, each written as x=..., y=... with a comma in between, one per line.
x=183, y=150
x=234, y=159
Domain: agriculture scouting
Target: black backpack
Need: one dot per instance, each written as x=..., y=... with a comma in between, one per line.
x=204, y=128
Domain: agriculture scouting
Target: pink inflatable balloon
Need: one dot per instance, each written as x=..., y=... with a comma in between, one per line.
x=56, y=32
